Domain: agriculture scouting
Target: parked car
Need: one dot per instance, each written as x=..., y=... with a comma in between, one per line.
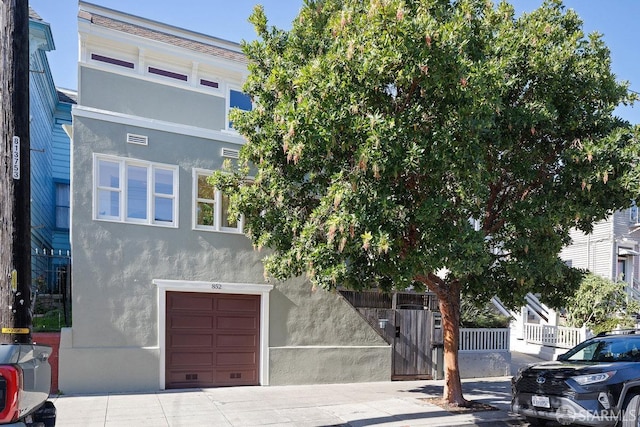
x=596, y=383
x=25, y=382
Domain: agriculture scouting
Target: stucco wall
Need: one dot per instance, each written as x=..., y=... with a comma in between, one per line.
x=114, y=344
x=101, y=370
x=115, y=263
x=317, y=337
x=484, y=364
x=302, y=316
x=139, y=97
x=317, y=365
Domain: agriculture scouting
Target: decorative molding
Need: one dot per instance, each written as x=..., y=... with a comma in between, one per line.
x=131, y=120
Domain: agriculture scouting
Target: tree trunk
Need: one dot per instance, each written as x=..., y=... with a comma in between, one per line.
x=449, y=304
x=448, y=293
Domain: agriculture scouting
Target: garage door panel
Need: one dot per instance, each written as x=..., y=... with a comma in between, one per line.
x=233, y=358
x=229, y=377
x=236, y=340
x=191, y=340
x=191, y=378
x=238, y=304
x=212, y=340
x=237, y=323
x=191, y=322
x=190, y=302
x=180, y=359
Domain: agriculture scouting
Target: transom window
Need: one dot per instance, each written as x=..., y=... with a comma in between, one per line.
x=211, y=207
x=135, y=191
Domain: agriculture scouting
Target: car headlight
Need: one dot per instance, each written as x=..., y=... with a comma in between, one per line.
x=593, y=378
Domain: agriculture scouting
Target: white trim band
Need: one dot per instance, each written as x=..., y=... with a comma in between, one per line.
x=160, y=125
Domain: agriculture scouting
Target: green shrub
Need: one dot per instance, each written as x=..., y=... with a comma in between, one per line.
x=486, y=316
x=601, y=305
x=52, y=320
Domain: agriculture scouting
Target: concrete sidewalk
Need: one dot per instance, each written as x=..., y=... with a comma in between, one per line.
x=399, y=403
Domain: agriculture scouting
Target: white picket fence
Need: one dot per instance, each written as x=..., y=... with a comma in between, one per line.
x=482, y=340
x=554, y=336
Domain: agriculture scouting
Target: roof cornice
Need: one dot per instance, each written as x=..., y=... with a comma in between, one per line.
x=141, y=27
x=40, y=33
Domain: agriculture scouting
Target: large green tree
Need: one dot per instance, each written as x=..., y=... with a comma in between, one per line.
x=440, y=144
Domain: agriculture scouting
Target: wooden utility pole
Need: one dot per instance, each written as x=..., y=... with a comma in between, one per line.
x=15, y=180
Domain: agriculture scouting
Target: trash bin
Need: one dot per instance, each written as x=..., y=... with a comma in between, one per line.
x=437, y=355
x=437, y=348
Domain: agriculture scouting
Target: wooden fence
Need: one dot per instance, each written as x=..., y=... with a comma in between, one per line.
x=400, y=300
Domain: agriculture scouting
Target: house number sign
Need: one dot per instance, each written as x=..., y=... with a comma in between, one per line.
x=216, y=286
x=15, y=157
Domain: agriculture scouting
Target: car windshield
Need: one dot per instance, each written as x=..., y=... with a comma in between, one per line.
x=618, y=349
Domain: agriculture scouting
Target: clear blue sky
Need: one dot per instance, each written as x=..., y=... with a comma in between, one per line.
x=616, y=19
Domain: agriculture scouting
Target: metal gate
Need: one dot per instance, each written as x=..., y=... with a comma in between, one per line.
x=51, y=288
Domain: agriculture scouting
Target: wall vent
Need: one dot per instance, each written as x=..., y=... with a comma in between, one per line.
x=137, y=139
x=170, y=74
x=230, y=153
x=113, y=61
x=209, y=83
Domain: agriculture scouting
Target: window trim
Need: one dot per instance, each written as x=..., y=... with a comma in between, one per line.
x=151, y=167
x=217, y=203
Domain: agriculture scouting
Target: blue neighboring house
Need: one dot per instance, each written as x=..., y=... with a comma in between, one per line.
x=50, y=112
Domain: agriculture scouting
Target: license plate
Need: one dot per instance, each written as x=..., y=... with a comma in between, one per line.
x=540, y=401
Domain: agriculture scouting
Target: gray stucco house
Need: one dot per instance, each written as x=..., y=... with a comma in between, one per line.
x=167, y=291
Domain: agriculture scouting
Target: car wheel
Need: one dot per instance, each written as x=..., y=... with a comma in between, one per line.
x=630, y=411
x=537, y=421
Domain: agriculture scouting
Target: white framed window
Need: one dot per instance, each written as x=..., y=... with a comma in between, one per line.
x=211, y=207
x=237, y=99
x=135, y=191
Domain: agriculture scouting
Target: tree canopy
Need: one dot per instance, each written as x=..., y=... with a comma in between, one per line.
x=437, y=144
x=601, y=305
